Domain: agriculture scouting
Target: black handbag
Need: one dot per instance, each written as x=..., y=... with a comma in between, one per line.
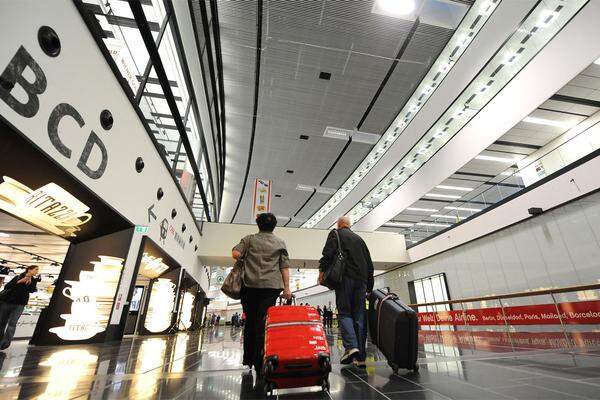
x=332, y=278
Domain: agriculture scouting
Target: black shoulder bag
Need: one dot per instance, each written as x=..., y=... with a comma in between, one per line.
x=335, y=272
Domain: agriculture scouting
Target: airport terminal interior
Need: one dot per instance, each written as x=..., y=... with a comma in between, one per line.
x=141, y=141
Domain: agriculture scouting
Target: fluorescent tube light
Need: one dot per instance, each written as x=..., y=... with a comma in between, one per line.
x=462, y=209
x=460, y=188
x=433, y=224
x=421, y=209
x=443, y=196
x=550, y=122
x=398, y=224
x=498, y=159
x=454, y=217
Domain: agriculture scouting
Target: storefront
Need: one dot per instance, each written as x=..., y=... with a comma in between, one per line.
x=80, y=244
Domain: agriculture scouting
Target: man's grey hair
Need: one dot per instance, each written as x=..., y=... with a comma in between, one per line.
x=344, y=222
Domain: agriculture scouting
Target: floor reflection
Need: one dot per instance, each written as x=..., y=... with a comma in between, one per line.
x=206, y=365
x=67, y=367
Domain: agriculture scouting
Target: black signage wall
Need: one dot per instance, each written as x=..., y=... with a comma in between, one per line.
x=83, y=298
x=37, y=190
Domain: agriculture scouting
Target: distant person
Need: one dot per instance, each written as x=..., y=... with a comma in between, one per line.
x=266, y=273
x=356, y=283
x=13, y=300
x=218, y=321
x=319, y=310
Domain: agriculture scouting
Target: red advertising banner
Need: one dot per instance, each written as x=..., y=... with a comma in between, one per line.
x=579, y=312
x=495, y=341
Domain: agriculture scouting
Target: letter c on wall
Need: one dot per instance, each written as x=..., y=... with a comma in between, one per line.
x=60, y=111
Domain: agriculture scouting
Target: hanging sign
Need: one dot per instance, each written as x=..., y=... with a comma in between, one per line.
x=49, y=207
x=262, y=197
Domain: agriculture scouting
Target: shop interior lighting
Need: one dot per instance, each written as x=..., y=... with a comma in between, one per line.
x=510, y=172
x=396, y=7
x=550, y=122
x=421, y=209
x=4, y=235
x=497, y=159
x=443, y=196
x=462, y=209
x=597, y=62
x=459, y=188
x=471, y=24
x=527, y=42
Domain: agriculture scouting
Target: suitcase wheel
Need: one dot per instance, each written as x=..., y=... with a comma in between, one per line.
x=268, y=389
x=325, y=384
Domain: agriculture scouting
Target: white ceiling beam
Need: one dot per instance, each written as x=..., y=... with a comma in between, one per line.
x=568, y=53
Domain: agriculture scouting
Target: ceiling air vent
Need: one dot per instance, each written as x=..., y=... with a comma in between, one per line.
x=345, y=134
x=325, y=75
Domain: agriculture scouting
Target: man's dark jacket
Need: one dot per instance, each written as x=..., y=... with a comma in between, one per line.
x=357, y=258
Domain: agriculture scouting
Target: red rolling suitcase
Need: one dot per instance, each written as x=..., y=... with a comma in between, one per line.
x=296, y=349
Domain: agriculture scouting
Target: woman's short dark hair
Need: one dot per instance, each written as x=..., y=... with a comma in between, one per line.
x=266, y=222
x=30, y=267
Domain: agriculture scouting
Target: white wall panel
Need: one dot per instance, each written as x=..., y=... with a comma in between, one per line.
x=80, y=76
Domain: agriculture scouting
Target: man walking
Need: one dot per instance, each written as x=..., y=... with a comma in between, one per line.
x=350, y=295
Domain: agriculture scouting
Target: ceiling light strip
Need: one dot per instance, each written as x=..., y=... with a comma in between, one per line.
x=545, y=21
x=471, y=24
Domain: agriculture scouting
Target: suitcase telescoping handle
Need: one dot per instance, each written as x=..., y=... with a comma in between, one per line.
x=379, y=306
x=289, y=302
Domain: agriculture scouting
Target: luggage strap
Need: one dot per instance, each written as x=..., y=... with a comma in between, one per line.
x=387, y=297
x=277, y=324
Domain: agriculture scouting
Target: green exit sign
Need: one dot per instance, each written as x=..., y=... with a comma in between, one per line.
x=141, y=229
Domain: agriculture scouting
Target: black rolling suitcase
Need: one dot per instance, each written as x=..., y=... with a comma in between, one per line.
x=394, y=330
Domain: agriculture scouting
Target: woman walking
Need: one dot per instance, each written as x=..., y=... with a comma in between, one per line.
x=266, y=273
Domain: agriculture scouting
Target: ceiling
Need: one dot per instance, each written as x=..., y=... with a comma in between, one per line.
x=574, y=103
x=375, y=62
x=23, y=239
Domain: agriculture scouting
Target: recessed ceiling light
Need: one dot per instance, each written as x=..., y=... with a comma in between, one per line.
x=462, y=209
x=325, y=75
x=2, y=234
x=277, y=195
x=396, y=7
x=443, y=196
x=289, y=171
x=421, y=209
x=498, y=159
x=304, y=137
x=459, y=188
x=550, y=122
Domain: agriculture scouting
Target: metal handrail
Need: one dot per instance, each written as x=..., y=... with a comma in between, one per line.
x=513, y=295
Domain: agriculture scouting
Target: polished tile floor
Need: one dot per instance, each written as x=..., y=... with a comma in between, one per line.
x=206, y=365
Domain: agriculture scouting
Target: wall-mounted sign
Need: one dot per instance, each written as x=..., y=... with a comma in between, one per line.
x=141, y=229
x=152, y=267
x=160, y=307
x=262, y=197
x=91, y=299
x=185, y=319
x=49, y=207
